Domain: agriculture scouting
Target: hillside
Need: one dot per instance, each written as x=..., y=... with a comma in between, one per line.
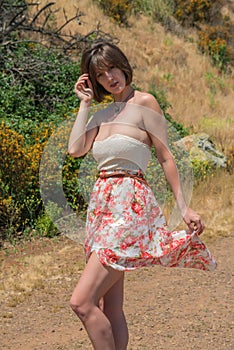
x=166, y=309
x=200, y=97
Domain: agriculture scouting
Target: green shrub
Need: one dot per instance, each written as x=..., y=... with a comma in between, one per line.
x=20, y=197
x=214, y=42
x=36, y=95
x=118, y=10
x=159, y=10
x=45, y=226
x=215, y=31
x=202, y=169
x=192, y=11
x=71, y=183
x=42, y=92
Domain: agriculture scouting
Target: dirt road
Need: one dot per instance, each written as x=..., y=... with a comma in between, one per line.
x=166, y=309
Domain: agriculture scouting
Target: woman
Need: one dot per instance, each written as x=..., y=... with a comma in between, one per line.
x=125, y=226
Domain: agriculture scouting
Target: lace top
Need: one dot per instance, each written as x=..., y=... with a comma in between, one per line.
x=121, y=152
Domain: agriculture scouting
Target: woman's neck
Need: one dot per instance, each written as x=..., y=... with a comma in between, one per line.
x=125, y=95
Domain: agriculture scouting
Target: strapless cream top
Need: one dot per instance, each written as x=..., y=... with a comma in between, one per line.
x=119, y=151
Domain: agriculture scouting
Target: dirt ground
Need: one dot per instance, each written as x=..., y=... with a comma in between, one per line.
x=166, y=308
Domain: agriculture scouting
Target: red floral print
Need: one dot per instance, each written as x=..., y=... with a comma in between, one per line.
x=126, y=229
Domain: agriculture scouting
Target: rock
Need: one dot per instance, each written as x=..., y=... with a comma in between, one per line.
x=201, y=147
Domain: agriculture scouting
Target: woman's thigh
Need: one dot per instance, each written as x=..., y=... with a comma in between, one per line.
x=95, y=281
x=114, y=297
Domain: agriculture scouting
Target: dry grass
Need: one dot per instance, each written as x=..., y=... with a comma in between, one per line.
x=20, y=275
x=214, y=200
x=199, y=96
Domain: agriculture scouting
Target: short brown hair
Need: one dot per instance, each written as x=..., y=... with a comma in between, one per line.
x=100, y=56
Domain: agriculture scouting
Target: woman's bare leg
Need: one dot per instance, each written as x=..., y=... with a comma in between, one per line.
x=94, y=283
x=113, y=309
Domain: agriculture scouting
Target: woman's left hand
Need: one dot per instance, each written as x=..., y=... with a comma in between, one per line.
x=193, y=221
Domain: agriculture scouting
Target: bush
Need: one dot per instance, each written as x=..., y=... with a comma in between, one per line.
x=159, y=10
x=36, y=95
x=202, y=169
x=20, y=198
x=44, y=225
x=44, y=90
x=191, y=11
x=71, y=182
x=214, y=42
x=118, y=10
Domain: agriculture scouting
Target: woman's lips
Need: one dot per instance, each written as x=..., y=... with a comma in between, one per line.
x=114, y=84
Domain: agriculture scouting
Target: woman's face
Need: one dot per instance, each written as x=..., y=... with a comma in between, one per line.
x=112, y=79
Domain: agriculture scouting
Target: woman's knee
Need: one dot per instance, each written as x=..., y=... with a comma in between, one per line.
x=81, y=307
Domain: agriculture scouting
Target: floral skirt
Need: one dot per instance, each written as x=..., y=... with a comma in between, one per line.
x=126, y=229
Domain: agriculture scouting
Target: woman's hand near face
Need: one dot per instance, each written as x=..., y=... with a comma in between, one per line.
x=84, y=89
x=81, y=139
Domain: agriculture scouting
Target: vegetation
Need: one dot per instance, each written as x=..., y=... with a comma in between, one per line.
x=215, y=31
x=36, y=82
x=119, y=10
x=214, y=42
x=37, y=75
x=192, y=11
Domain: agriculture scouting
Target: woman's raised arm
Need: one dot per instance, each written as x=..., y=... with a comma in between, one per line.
x=81, y=138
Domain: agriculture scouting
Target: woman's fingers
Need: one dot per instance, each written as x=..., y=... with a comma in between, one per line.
x=83, y=87
x=194, y=222
x=89, y=84
x=84, y=80
x=198, y=226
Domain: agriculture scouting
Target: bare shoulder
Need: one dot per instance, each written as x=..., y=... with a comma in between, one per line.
x=147, y=100
x=100, y=114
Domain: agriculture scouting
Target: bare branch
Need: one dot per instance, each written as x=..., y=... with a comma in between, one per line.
x=77, y=16
x=18, y=15
x=17, y=29
x=40, y=11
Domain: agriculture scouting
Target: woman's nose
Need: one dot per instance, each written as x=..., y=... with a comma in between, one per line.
x=108, y=74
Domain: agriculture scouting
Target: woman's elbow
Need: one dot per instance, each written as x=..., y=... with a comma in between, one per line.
x=74, y=153
x=166, y=162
